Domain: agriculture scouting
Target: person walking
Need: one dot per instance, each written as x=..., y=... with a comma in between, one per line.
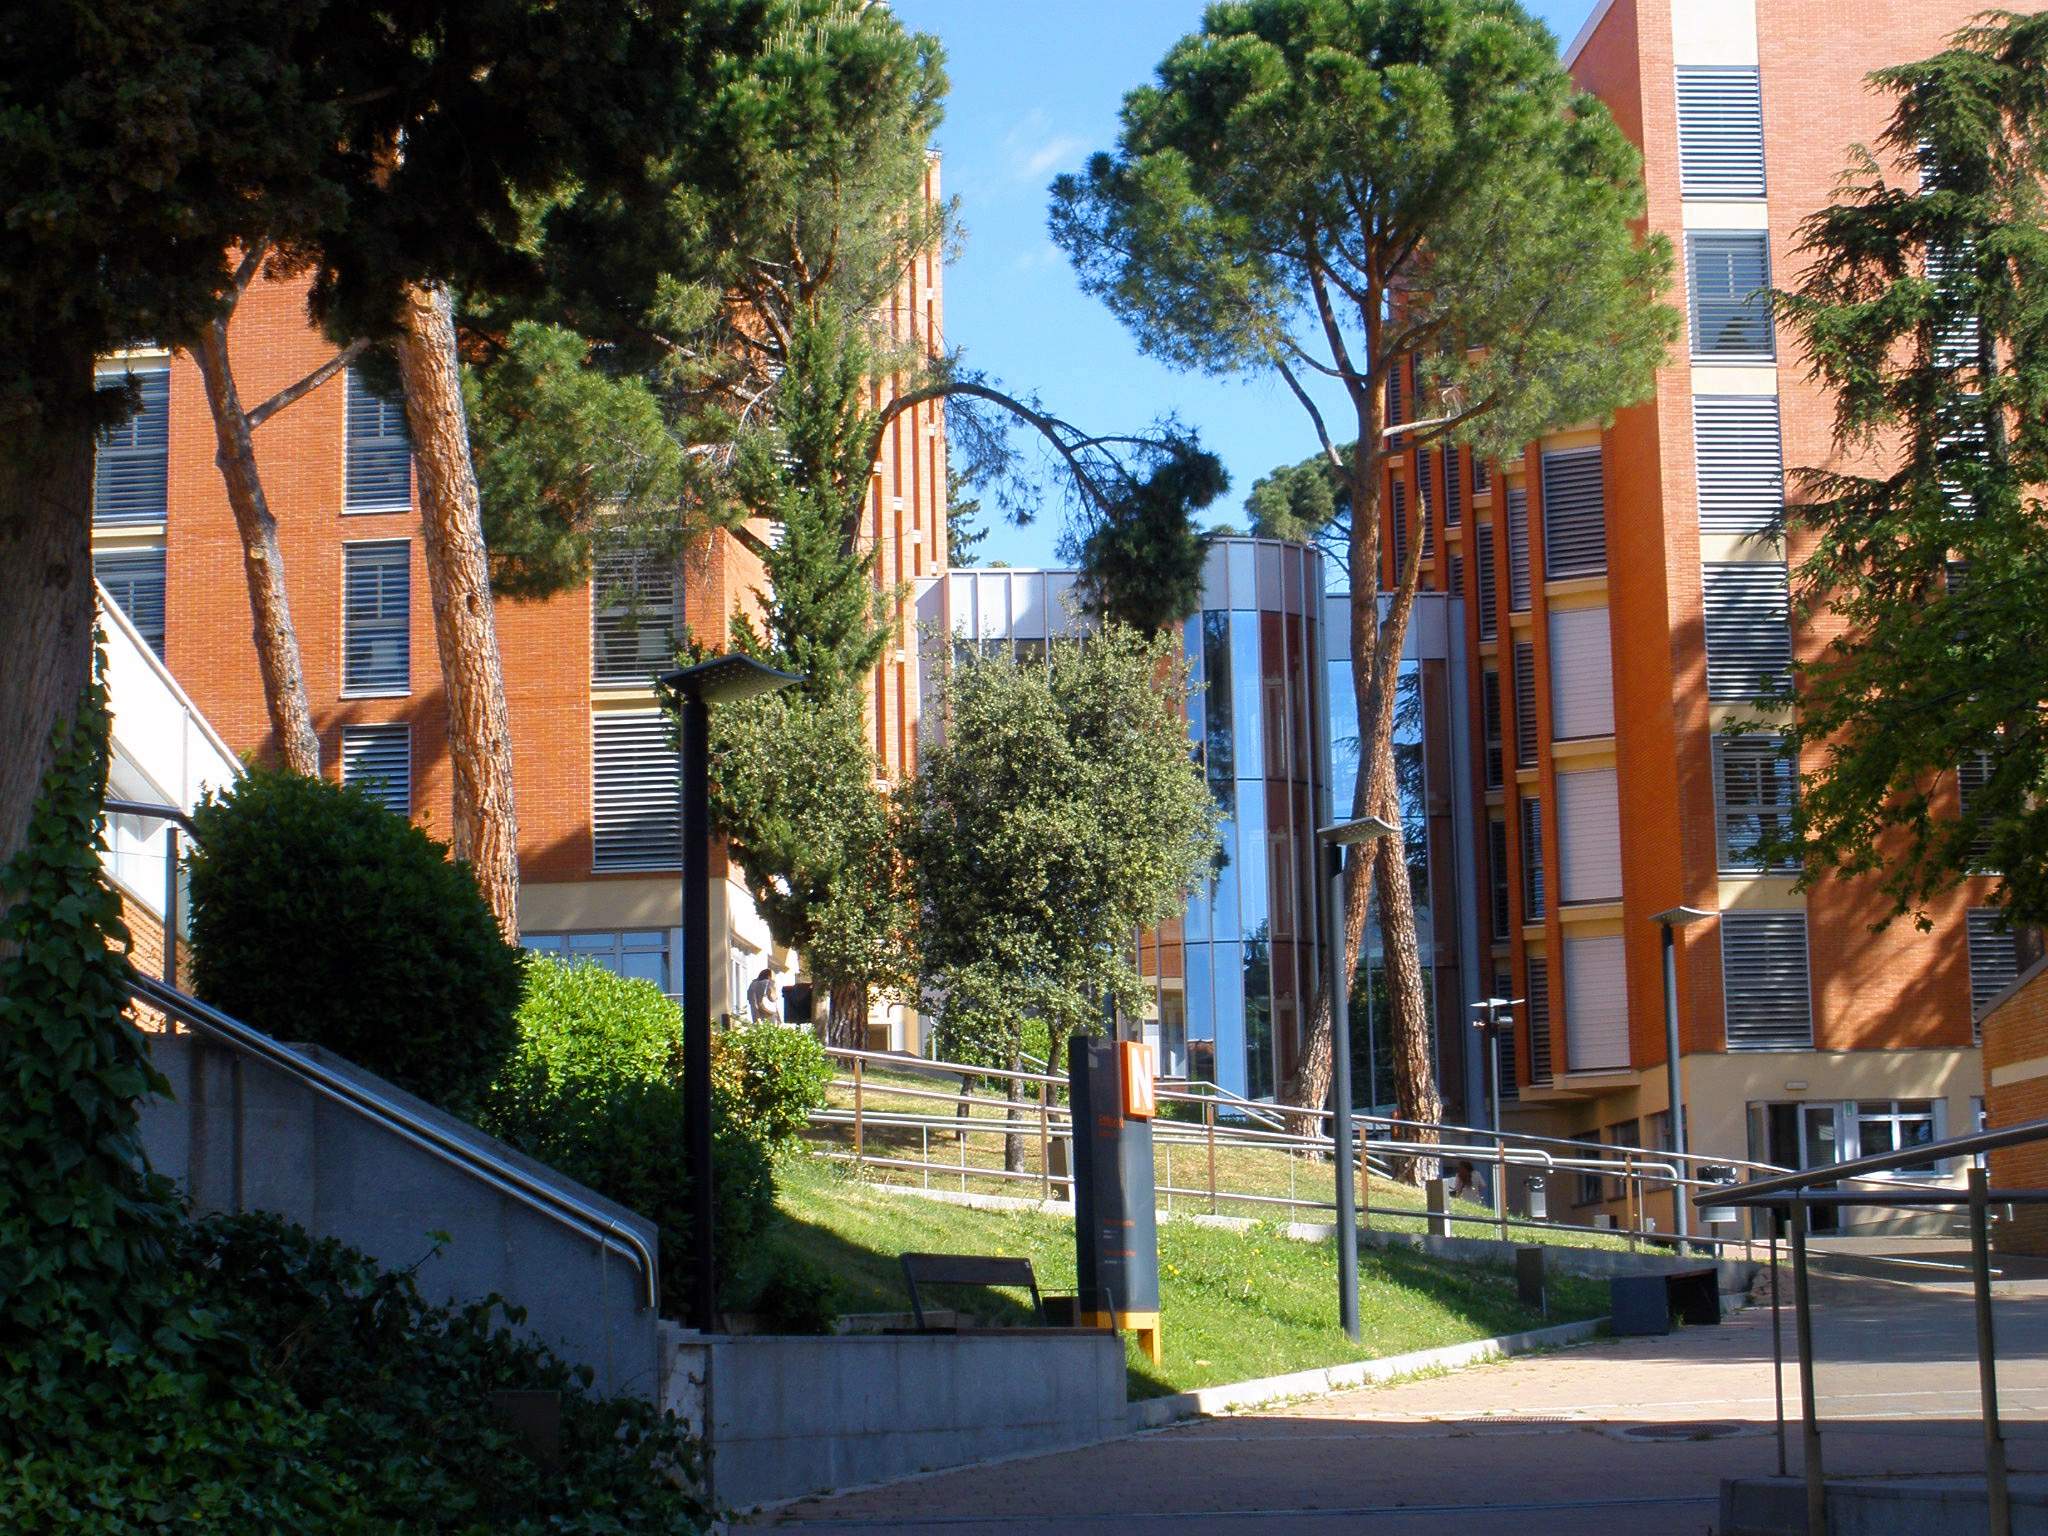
x=761, y=1000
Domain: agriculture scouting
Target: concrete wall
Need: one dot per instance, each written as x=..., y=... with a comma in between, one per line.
x=791, y=1416
x=270, y=1143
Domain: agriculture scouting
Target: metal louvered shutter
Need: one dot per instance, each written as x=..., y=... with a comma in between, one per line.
x=1489, y=725
x=1518, y=551
x=1489, y=599
x=1537, y=1002
x=1994, y=955
x=376, y=617
x=1482, y=477
x=1455, y=582
x=1738, y=456
x=1510, y=1088
x=1581, y=674
x=379, y=451
x=1396, y=405
x=1397, y=515
x=1754, y=786
x=1425, y=486
x=1727, y=274
x=1595, y=1003
x=379, y=758
x=1532, y=861
x=1764, y=981
x=1525, y=704
x=1454, y=488
x=1588, y=836
x=1973, y=773
x=1720, y=131
x=1951, y=269
x=1497, y=872
x=1748, y=629
x=1574, y=514
x=134, y=579
x=636, y=794
x=131, y=465
x=633, y=617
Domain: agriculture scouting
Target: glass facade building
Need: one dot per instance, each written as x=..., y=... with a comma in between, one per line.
x=1273, y=728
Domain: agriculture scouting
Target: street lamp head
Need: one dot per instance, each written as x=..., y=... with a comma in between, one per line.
x=1680, y=917
x=727, y=679
x=1364, y=830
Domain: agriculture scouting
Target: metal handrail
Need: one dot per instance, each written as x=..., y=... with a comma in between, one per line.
x=1759, y=1191
x=150, y=809
x=505, y=1177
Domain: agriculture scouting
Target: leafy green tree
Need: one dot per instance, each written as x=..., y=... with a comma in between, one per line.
x=1334, y=190
x=1055, y=817
x=1142, y=564
x=1925, y=310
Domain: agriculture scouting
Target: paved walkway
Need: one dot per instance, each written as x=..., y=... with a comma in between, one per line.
x=1622, y=1437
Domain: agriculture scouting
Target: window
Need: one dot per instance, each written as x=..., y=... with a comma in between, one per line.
x=379, y=757
x=1574, y=514
x=1738, y=456
x=1489, y=725
x=1497, y=869
x=1525, y=704
x=1748, y=630
x=1764, y=980
x=379, y=452
x=1727, y=273
x=1973, y=776
x=633, y=617
x=1457, y=576
x=1589, y=836
x=641, y=954
x=376, y=617
x=1518, y=550
x=1754, y=785
x=1592, y=1188
x=1395, y=404
x=1581, y=674
x=134, y=579
x=1454, y=489
x=1994, y=955
x=1595, y=1003
x=1950, y=270
x=1893, y=1125
x=1509, y=1087
x=1532, y=861
x=1425, y=492
x=1720, y=131
x=1482, y=477
x=1397, y=515
x=1960, y=451
x=1537, y=1003
x=636, y=794
x=131, y=466
x=1489, y=602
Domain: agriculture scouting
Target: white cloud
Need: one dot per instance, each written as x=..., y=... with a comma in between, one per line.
x=1034, y=149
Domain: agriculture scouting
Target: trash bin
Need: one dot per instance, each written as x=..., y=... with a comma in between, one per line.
x=1538, y=1200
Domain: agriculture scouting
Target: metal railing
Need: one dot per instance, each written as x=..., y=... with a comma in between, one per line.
x=178, y=822
x=1201, y=1118
x=474, y=1161
x=1793, y=1194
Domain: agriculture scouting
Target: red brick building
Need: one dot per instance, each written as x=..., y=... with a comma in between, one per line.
x=594, y=778
x=1624, y=598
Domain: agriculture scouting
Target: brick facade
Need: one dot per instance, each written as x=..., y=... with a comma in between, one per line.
x=2016, y=1090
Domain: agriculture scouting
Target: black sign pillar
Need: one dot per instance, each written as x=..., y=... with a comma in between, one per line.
x=1116, y=1237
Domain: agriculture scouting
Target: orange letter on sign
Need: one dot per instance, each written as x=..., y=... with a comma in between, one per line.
x=1137, y=1065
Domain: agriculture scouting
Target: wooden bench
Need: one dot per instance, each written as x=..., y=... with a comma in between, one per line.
x=930, y=1269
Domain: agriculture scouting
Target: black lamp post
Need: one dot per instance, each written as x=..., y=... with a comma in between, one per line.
x=1343, y=835
x=722, y=680
x=1490, y=1010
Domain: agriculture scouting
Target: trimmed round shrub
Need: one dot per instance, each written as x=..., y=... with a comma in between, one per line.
x=773, y=1076
x=319, y=915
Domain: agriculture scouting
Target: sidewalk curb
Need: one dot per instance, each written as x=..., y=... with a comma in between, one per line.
x=1157, y=1412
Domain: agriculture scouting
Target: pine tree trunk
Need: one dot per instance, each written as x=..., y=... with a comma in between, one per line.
x=459, y=579
x=848, y=1004
x=1415, y=1093
x=46, y=605
x=270, y=610
x=1314, y=1072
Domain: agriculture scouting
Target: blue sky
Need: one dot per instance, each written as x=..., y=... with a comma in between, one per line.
x=1035, y=88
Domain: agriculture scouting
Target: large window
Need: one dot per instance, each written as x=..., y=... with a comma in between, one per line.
x=636, y=794
x=379, y=757
x=1748, y=629
x=1720, y=131
x=131, y=468
x=1739, y=462
x=1765, y=982
x=1754, y=785
x=376, y=617
x=1574, y=514
x=1581, y=674
x=134, y=579
x=1589, y=836
x=634, y=617
x=1595, y=1003
x=1895, y=1125
x=378, y=451
x=638, y=953
x=1728, y=273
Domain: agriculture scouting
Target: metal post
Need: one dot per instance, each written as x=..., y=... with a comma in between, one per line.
x=1209, y=1119
x=1340, y=1073
x=170, y=905
x=1777, y=1344
x=1500, y=1177
x=1630, y=1209
x=1999, y=1495
x=1809, y=1421
x=859, y=1136
x=1681, y=1217
x=696, y=734
x=1045, y=1141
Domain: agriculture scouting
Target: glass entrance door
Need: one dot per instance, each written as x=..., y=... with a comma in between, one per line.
x=1802, y=1135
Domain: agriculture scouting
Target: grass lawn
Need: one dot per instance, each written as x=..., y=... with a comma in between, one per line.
x=1234, y=1305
